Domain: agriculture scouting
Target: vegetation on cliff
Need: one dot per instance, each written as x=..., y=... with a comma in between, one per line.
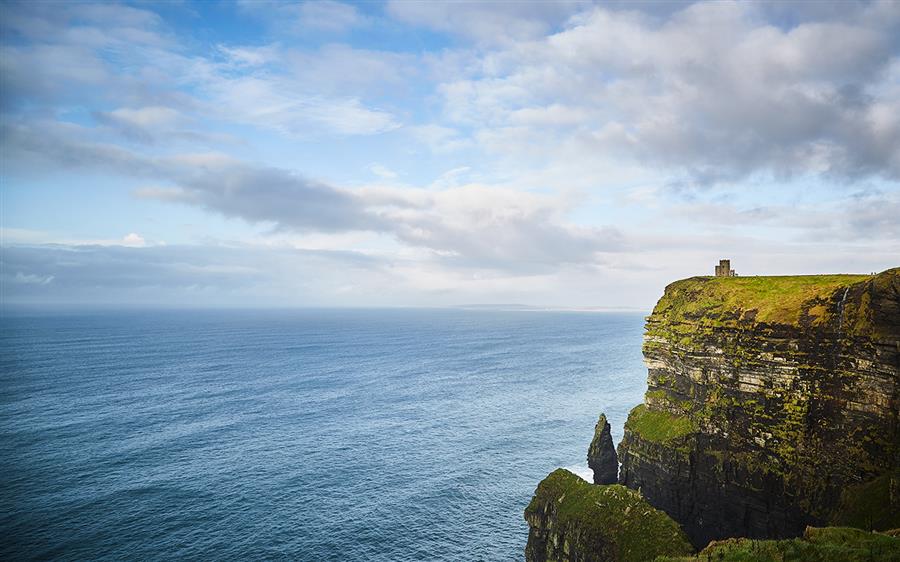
x=658, y=426
x=772, y=404
x=845, y=302
x=829, y=544
x=570, y=520
x=763, y=299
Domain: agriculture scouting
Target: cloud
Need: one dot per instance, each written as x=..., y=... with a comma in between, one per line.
x=553, y=151
x=484, y=226
x=291, y=91
x=713, y=93
x=134, y=239
x=172, y=275
x=261, y=194
x=438, y=138
x=143, y=124
x=383, y=172
x=860, y=216
x=486, y=22
x=324, y=16
x=328, y=15
x=470, y=225
x=250, y=55
x=276, y=103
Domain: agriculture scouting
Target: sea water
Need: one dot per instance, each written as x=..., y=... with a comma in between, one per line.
x=388, y=435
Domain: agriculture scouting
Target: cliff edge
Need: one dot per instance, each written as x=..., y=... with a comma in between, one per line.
x=772, y=404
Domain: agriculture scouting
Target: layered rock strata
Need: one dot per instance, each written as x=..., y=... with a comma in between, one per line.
x=772, y=404
x=601, y=457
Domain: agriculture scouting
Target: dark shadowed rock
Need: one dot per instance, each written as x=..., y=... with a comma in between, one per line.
x=602, y=457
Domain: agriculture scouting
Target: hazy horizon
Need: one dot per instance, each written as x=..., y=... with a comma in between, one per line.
x=408, y=154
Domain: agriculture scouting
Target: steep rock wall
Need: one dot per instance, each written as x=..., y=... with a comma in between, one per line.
x=772, y=404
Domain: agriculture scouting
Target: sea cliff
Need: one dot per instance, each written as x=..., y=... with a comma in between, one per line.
x=770, y=401
x=772, y=405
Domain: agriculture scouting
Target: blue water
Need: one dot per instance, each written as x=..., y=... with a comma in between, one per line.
x=392, y=435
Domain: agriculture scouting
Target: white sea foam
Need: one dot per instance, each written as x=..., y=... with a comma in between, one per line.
x=582, y=471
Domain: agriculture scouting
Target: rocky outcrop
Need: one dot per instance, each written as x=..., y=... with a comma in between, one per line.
x=571, y=520
x=772, y=404
x=601, y=456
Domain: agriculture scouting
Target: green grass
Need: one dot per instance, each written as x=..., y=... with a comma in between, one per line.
x=828, y=544
x=612, y=519
x=770, y=299
x=658, y=427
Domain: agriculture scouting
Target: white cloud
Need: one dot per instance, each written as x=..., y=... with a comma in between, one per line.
x=544, y=144
x=251, y=56
x=714, y=92
x=133, y=239
x=328, y=15
x=487, y=22
x=475, y=225
x=297, y=93
x=325, y=16
x=439, y=138
x=383, y=172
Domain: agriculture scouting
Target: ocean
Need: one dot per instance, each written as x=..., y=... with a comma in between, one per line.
x=371, y=435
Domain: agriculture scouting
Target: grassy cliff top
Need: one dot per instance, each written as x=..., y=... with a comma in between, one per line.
x=828, y=544
x=613, y=515
x=786, y=300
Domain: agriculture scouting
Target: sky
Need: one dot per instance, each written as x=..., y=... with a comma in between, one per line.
x=406, y=153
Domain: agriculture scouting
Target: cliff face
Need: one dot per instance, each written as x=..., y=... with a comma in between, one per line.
x=772, y=404
x=573, y=521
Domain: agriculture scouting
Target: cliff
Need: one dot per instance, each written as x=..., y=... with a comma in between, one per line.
x=573, y=521
x=772, y=404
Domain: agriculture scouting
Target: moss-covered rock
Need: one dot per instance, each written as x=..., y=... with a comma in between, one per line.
x=830, y=544
x=572, y=520
x=659, y=426
x=769, y=399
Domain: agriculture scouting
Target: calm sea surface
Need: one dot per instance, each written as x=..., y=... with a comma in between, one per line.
x=391, y=435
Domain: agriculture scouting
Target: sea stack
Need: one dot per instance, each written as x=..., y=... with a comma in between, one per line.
x=601, y=456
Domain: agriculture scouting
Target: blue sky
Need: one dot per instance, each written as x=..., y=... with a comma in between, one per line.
x=429, y=154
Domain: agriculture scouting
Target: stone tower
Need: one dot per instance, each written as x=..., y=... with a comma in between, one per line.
x=724, y=269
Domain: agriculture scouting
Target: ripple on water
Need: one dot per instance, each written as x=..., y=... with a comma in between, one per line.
x=394, y=435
